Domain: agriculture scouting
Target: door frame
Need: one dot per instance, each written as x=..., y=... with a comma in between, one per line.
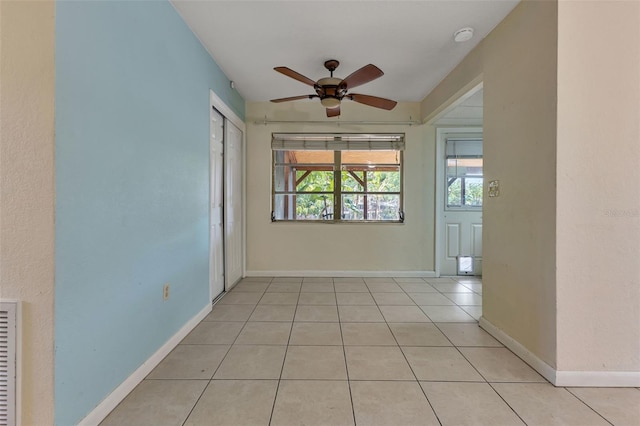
x=442, y=133
x=215, y=102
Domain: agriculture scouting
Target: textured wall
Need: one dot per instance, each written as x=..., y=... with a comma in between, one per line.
x=519, y=232
x=370, y=247
x=26, y=192
x=132, y=190
x=517, y=64
x=598, y=175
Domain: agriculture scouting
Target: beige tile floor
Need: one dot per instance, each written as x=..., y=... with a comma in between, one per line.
x=366, y=351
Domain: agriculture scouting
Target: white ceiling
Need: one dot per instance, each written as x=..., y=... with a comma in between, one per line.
x=468, y=112
x=411, y=41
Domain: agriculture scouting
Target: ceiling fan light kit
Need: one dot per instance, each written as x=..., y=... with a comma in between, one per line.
x=332, y=90
x=330, y=102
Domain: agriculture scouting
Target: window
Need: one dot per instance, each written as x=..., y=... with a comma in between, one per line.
x=464, y=174
x=337, y=178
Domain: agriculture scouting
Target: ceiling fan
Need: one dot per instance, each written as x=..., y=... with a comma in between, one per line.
x=332, y=90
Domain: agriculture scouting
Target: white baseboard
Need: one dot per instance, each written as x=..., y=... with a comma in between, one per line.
x=341, y=274
x=600, y=379
x=114, y=398
x=547, y=371
x=563, y=378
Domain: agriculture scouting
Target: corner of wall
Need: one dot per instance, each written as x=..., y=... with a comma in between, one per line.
x=464, y=77
x=27, y=187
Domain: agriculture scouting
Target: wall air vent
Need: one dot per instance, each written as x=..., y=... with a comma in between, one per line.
x=8, y=362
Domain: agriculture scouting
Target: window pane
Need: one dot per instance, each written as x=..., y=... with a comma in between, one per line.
x=370, y=157
x=351, y=181
x=353, y=207
x=303, y=207
x=306, y=157
x=464, y=167
x=383, y=207
x=379, y=207
x=314, y=207
x=283, y=208
x=454, y=192
x=473, y=191
x=314, y=181
x=283, y=179
x=309, y=178
x=383, y=181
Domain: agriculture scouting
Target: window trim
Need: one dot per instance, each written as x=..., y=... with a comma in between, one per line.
x=337, y=192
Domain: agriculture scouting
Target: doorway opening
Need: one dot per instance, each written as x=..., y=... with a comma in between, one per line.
x=459, y=186
x=459, y=195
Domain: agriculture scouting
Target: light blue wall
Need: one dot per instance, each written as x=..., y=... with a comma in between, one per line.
x=132, y=169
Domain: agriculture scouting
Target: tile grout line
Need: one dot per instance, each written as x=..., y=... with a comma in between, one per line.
x=590, y=407
x=487, y=382
x=284, y=359
x=346, y=366
x=481, y=375
x=408, y=363
x=505, y=401
x=221, y=360
x=340, y=322
x=197, y=401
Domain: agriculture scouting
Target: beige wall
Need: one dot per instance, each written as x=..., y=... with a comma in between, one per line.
x=517, y=63
x=562, y=134
x=519, y=150
x=464, y=77
x=27, y=191
x=598, y=228
x=291, y=247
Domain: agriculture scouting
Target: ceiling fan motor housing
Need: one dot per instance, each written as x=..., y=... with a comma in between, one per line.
x=330, y=91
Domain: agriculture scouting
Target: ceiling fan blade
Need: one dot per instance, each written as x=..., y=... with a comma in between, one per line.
x=293, y=98
x=373, y=101
x=295, y=75
x=363, y=75
x=333, y=112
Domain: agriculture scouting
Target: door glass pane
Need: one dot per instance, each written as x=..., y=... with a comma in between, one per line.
x=473, y=192
x=464, y=183
x=454, y=192
x=464, y=166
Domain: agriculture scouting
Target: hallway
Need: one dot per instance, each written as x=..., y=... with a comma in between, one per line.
x=339, y=351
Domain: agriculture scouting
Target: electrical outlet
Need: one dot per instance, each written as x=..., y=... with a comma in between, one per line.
x=165, y=292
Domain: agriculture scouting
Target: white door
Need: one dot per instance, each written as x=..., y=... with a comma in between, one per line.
x=216, y=198
x=233, y=204
x=462, y=204
x=462, y=237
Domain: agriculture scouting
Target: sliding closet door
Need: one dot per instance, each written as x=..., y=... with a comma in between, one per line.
x=233, y=203
x=216, y=199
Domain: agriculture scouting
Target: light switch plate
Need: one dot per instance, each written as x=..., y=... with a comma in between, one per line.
x=494, y=188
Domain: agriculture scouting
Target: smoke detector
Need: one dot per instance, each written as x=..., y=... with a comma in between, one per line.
x=463, y=34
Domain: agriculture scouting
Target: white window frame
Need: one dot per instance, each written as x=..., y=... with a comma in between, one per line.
x=337, y=143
